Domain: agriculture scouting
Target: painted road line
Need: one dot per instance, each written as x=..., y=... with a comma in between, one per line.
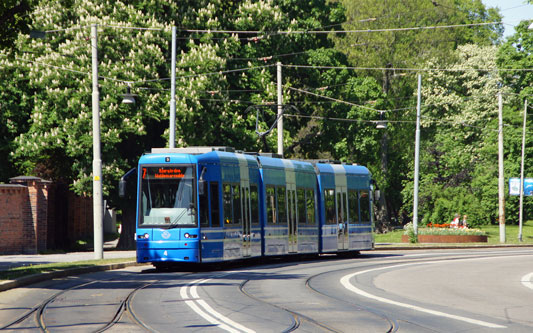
x=527, y=280
x=345, y=281
x=206, y=311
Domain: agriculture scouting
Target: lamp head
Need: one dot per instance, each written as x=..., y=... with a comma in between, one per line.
x=128, y=97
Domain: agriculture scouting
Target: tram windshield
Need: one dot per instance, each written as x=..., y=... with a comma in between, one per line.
x=167, y=196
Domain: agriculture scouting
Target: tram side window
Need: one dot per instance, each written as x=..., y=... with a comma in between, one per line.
x=215, y=211
x=254, y=198
x=204, y=210
x=282, y=204
x=271, y=205
x=226, y=197
x=364, y=203
x=301, y=205
x=329, y=196
x=310, y=206
x=237, y=215
x=353, y=206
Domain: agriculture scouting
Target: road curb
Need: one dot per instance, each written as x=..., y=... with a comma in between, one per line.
x=35, y=278
x=441, y=246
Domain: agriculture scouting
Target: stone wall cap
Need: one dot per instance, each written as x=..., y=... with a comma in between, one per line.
x=27, y=178
x=12, y=185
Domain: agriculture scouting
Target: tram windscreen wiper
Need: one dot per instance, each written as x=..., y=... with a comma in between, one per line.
x=175, y=224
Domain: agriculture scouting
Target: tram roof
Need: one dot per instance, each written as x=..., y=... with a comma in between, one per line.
x=227, y=158
x=325, y=168
x=279, y=163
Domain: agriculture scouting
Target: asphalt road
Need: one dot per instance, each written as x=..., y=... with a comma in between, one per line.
x=380, y=291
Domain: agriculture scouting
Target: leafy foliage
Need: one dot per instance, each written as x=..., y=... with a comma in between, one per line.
x=459, y=163
x=14, y=18
x=45, y=99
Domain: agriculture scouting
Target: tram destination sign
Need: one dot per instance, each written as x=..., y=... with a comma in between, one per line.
x=514, y=186
x=163, y=172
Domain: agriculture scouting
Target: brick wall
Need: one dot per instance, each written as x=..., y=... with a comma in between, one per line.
x=36, y=215
x=80, y=216
x=36, y=228
x=14, y=209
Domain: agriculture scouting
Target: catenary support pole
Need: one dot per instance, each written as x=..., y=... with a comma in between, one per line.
x=417, y=155
x=501, y=183
x=280, y=111
x=172, y=120
x=97, y=161
x=521, y=216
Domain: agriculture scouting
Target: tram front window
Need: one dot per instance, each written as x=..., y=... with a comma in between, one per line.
x=167, y=197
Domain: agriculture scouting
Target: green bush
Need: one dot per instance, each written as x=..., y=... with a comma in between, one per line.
x=409, y=230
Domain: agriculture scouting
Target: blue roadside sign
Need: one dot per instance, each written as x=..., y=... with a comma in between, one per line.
x=514, y=186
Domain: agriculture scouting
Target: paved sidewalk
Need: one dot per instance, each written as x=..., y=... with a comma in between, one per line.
x=17, y=260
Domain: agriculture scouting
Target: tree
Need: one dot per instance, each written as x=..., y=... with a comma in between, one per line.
x=52, y=134
x=515, y=53
x=385, y=50
x=458, y=167
x=14, y=18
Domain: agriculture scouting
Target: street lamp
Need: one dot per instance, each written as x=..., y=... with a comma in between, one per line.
x=521, y=214
x=417, y=156
x=97, y=161
x=381, y=124
x=128, y=97
x=98, y=202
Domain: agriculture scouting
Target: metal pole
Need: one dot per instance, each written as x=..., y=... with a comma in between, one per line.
x=501, y=184
x=521, y=216
x=172, y=124
x=417, y=155
x=97, y=161
x=280, y=111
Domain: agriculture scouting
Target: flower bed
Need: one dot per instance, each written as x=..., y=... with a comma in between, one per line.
x=448, y=238
x=443, y=234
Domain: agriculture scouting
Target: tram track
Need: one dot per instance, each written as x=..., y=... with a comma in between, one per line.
x=124, y=305
x=39, y=309
x=124, y=312
x=296, y=317
x=131, y=312
x=299, y=317
x=444, y=257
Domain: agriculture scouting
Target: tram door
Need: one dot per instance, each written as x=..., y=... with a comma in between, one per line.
x=342, y=218
x=293, y=222
x=246, y=221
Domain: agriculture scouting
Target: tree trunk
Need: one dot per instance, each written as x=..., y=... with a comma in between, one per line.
x=126, y=240
x=382, y=209
x=127, y=234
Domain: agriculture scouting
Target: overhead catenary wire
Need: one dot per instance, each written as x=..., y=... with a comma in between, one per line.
x=407, y=69
x=344, y=102
x=47, y=65
x=289, y=32
x=298, y=66
x=221, y=72
x=452, y=123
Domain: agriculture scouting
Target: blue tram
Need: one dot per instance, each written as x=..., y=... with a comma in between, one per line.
x=210, y=204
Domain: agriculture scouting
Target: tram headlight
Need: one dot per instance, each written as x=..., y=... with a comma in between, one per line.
x=145, y=236
x=186, y=235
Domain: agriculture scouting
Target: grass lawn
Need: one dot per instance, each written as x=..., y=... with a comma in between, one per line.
x=493, y=231
x=17, y=272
